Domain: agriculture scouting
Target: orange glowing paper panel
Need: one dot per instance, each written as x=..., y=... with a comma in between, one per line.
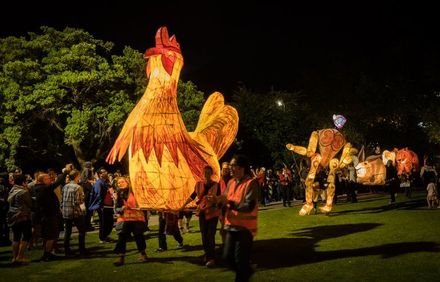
x=165, y=160
x=371, y=172
x=407, y=161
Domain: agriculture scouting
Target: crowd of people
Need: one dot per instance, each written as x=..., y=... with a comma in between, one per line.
x=50, y=203
x=38, y=209
x=288, y=183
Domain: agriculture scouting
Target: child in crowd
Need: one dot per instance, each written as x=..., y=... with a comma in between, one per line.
x=432, y=197
x=168, y=225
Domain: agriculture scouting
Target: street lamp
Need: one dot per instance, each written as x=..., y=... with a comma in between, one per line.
x=280, y=103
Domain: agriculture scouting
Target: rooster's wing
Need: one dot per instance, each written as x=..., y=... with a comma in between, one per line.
x=218, y=123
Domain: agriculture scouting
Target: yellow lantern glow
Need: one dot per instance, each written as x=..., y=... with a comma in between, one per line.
x=165, y=160
x=371, y=172
x=330, y=142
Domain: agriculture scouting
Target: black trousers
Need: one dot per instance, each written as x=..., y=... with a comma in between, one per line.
x=408, y=191
x=393, y=189
x=287, y=193
x=208, y=227
x=353, y=187
x=237, y=253
x=81, y=226
x=106, y=222
x=163, y=237
x=131, y=227
x=4, y=228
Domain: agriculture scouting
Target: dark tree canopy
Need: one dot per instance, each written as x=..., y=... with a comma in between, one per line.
x=65, y=95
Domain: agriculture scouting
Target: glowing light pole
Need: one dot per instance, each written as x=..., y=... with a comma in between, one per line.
x=280, y=104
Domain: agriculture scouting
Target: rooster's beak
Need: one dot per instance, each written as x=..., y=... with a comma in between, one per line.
x=153, y=51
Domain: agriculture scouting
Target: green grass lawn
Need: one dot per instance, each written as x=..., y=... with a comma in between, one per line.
x=366, y=241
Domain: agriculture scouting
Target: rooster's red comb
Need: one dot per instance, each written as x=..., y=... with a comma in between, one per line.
x=164, y=41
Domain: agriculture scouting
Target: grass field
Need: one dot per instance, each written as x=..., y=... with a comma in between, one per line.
x=365, y=241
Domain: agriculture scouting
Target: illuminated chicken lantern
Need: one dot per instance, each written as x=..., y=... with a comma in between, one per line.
x=330, y=142
x=165, y=160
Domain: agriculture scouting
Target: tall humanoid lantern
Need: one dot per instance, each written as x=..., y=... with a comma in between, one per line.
x=165, y=160
x=330, y=142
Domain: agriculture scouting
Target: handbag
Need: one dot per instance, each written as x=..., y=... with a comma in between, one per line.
x=119, y=226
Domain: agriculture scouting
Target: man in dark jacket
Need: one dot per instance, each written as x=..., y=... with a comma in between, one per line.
x=48, y=207
x=392, y=181
x=101, y=201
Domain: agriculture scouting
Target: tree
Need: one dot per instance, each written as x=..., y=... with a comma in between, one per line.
x=268, y=121
x=64, y=94
x=386, y=111
x=430, y=118
x=190, y=101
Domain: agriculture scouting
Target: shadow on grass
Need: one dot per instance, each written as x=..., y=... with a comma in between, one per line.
x=287, y=252
x=6, y=258
x=170, y=260
x=416, y=204
x=191, y=248
x=345, y=202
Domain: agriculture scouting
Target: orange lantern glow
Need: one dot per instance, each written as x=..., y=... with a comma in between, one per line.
x=407, y=162
x=372, y=171
x=165, y=160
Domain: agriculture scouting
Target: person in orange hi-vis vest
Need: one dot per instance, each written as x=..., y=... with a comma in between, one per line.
x=206, y=192
x=241, y=201
x=225, y=176
x=130, y=219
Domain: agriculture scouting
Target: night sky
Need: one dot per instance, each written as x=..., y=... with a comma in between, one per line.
x=262, y=46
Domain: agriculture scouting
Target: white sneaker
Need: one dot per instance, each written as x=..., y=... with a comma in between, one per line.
x=210, y=263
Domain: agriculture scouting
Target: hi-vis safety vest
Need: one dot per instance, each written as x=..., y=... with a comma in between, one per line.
x=237, y=193
x=223, y=186
x=209, y=209
x=131, y=213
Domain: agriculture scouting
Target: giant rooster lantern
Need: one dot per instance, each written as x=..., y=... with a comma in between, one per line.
x=165, y=160
x=330, y=142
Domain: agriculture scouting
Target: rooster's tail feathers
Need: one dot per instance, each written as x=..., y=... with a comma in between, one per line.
x=218, y=123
